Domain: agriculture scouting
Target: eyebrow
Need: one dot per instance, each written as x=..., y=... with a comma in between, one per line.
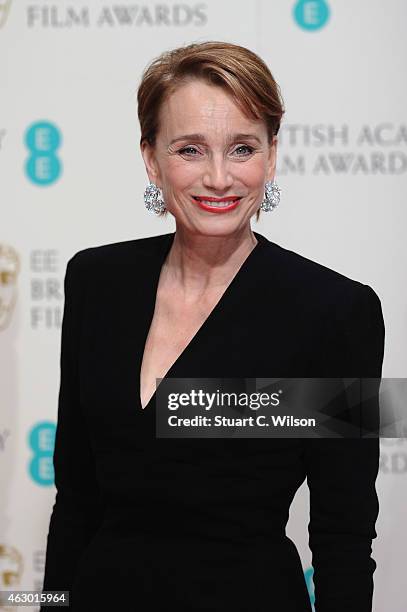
x=201, y=137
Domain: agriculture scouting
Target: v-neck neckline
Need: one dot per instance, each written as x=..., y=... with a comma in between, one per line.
x=161, y=254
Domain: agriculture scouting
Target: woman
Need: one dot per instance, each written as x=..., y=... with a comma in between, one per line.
x=199, y=524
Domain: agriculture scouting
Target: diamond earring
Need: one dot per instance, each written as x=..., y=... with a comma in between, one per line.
x=272, y=196
x=153, y=200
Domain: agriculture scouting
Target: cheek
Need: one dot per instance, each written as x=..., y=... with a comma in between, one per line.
x=180, y=175
x=253, y=174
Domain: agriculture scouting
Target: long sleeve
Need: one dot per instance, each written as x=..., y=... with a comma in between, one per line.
x=76, y=513
x=341, y=474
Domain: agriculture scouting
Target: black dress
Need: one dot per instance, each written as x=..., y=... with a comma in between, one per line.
x=144, y=523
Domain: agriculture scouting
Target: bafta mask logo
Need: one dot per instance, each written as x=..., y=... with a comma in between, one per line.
x=9, y=270
x=11, y=564
x=4, y=11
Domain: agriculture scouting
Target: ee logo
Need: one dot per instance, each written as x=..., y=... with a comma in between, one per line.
x=308, y=574
x=41, y=441
x=43, y=140
x=311, y=15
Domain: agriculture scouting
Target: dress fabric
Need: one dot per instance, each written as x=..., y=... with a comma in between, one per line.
x=143, y=523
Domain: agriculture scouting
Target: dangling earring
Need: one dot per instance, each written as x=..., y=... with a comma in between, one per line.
x=153, y=200
x=272, y=196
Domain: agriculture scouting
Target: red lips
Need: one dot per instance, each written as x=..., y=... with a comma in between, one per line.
x=212, y=199
x=234, y=201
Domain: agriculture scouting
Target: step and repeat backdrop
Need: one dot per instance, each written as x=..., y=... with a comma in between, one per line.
x=71, y=176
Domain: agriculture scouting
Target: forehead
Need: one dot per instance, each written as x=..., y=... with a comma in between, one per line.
x=199, y=107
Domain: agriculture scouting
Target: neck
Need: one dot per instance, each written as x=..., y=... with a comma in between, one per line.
x=198, y=264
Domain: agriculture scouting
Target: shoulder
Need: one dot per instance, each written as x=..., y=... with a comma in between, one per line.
x=314, y=286
x=116, y=255
x=343, y=311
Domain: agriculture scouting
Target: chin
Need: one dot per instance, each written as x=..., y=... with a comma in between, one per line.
x=220, y=229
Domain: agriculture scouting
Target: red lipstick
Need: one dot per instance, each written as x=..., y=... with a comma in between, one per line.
x=225, y=204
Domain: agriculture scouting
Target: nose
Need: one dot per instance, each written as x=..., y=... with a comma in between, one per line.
x=217, y=175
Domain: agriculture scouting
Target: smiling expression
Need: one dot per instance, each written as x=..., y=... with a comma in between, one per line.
x=210, y=160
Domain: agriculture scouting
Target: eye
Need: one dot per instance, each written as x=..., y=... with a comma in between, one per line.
x=186, y=150
x=193, y=152
x=249, y=150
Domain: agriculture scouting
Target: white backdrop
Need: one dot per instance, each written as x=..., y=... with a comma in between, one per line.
x=71, y=176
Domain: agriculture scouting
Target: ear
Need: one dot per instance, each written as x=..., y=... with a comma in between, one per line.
x=150, y=162
x=272, y=159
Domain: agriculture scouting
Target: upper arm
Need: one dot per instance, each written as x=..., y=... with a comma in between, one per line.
x=75, y=476
x=363, y=328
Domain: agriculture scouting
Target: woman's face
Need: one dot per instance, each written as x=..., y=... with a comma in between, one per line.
x=207, y=148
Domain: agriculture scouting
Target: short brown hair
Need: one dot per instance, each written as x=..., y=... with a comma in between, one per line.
x=242, y=73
